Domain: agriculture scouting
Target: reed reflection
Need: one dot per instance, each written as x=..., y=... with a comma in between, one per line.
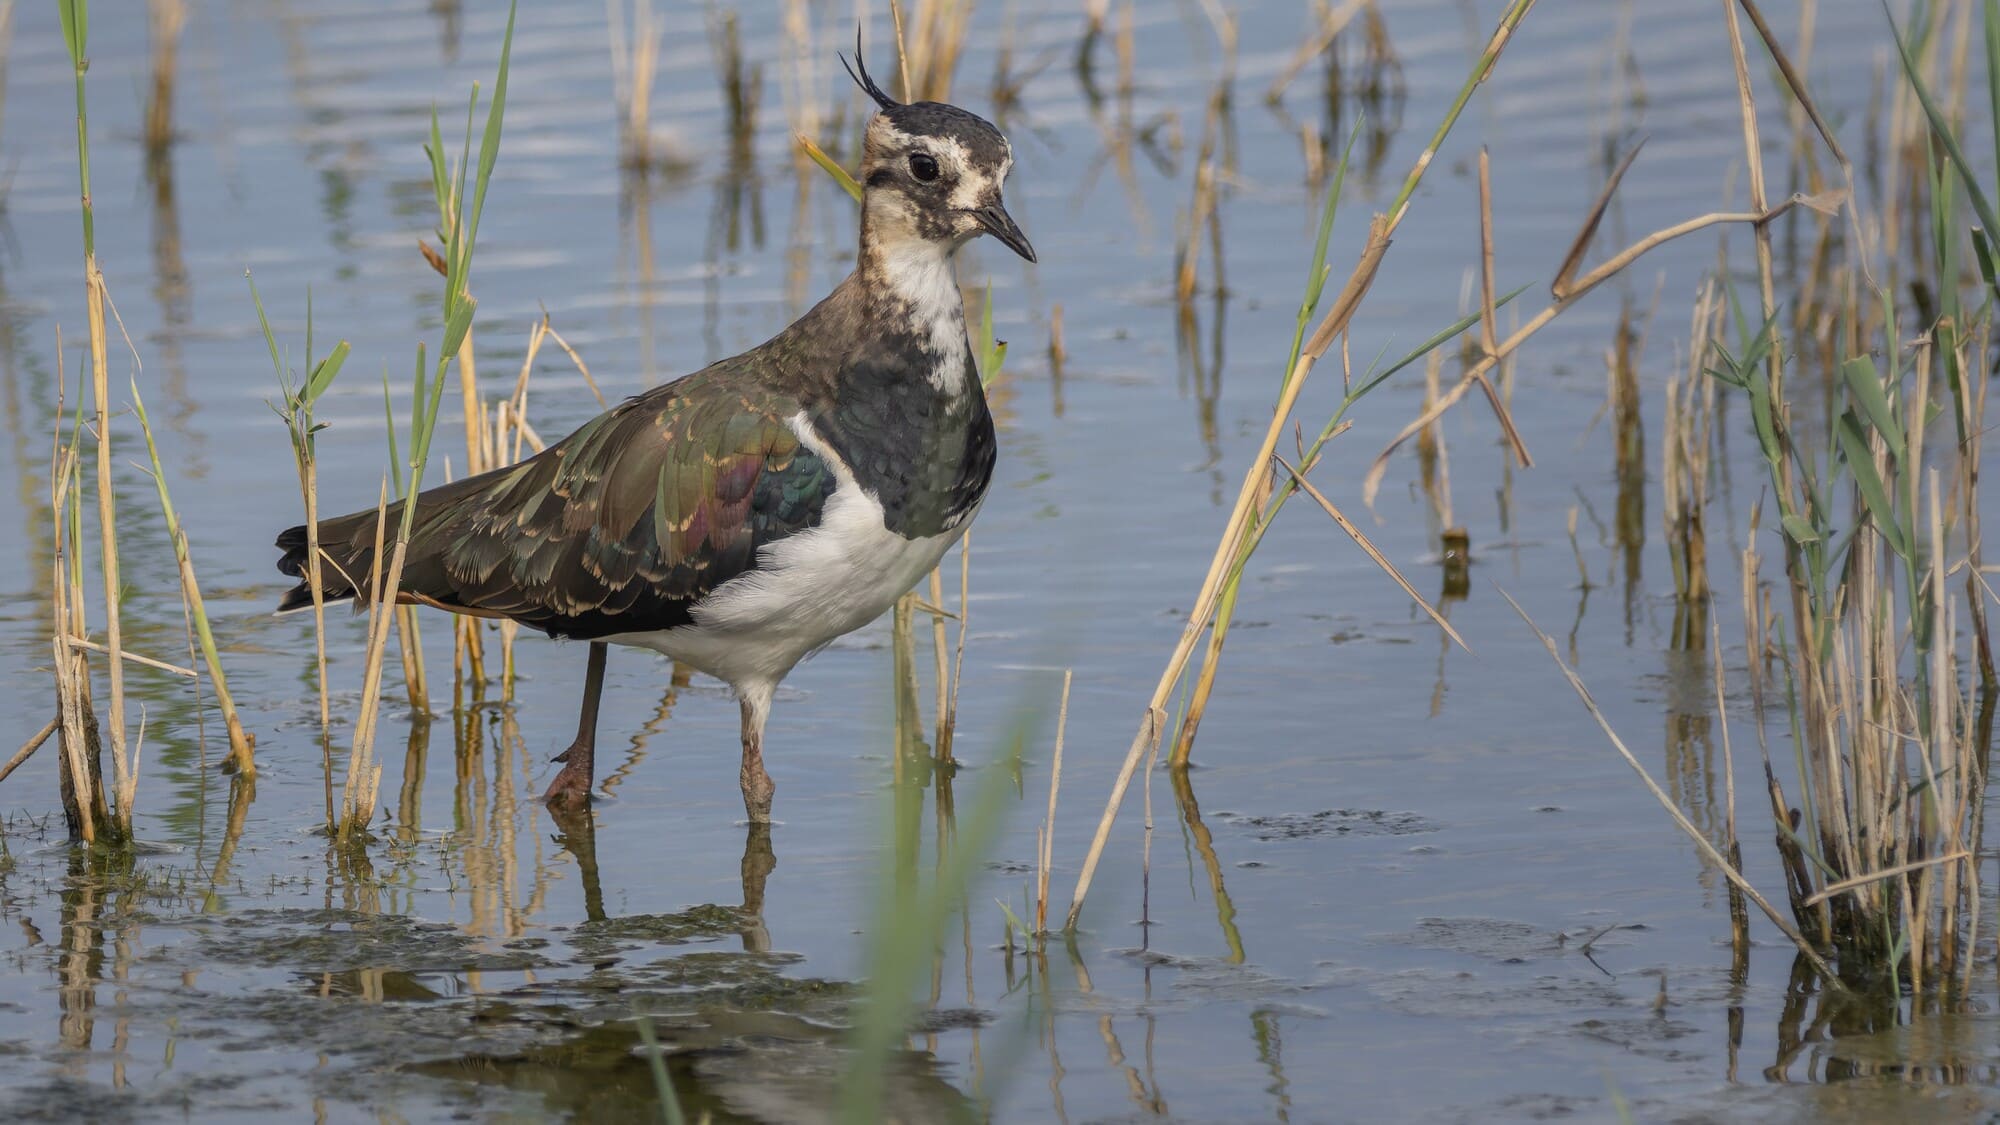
x=738, y=207
x=1203, y=842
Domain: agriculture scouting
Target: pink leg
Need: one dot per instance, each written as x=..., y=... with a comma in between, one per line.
x=757, y=785
x=571, y=787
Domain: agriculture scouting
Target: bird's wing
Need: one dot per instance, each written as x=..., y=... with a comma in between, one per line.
x=621, y=526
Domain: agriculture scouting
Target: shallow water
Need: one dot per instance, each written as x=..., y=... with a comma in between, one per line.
x=1375, y=899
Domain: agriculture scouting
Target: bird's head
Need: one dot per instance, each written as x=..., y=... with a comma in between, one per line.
x=933, y=172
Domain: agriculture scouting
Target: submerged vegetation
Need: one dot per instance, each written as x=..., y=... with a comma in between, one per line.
x=1845, y=333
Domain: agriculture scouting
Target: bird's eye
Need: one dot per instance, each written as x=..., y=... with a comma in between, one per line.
x=923, y=166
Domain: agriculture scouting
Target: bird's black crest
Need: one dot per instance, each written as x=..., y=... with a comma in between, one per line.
x=861, y=78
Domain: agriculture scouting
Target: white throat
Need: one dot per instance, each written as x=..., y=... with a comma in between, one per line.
x=919, y=273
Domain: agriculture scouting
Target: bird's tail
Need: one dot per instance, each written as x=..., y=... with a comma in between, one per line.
x=342, y=568
x=347, y=550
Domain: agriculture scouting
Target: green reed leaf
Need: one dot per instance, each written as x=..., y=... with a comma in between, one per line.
x=1865, y=385
x=1854, y=447
x=1800, y=531
x=324, y=371
x=75, y=16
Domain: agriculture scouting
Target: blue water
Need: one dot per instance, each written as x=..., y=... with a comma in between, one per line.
x=1363, y=923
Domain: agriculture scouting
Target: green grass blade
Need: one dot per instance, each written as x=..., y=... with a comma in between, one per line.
x=1430, y=345
x=440, y=170
x=829, y=166
x=1316, y=280
x=389, y=415
x=489, y=147
x=1865, y=385
x=75, y=16
x=1941, y=127
x=1991, y=22
x=1854, y=447
x=663, y=1083
x=1982, y=247
x=324, y=371
x=270, y=338
x=456, y=328
x=904, y=929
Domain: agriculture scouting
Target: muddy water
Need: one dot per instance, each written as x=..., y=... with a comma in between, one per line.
x=1406, y=882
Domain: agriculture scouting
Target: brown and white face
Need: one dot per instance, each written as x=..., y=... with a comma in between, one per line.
x=934, y=172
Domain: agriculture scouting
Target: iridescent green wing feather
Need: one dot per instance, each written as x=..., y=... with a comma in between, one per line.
x=620, y=527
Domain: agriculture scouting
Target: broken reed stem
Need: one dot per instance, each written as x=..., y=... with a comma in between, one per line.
x=1044, y=862
x=940, y=648
x=1687, y=827
x=410, y=652
x=300, y=429
x=1900, y=869
x=363, y=775
x=1739, y=915
x=128, y=654
x=28, y=748
x=242, y=746
x=383, y=593
x=83, y=807
x=507, y=436
x=1753, y=153
x=1373, y=553
x=309, y=487
x=950, y=721
x=1488, y=319
x=902, y=52
x=1567, y=297
x=471, y=642
x=468, y=664
x=1257, y=474
x=125, y=782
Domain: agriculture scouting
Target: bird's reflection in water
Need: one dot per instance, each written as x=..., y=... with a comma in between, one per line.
x=576, y=833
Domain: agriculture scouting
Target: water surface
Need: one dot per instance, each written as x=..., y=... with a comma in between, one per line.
x=1372, y=899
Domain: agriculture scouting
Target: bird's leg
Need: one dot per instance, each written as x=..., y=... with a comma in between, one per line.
x=757, y=786
x=572, y=786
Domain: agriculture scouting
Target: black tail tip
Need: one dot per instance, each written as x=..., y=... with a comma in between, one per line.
x=292, y=541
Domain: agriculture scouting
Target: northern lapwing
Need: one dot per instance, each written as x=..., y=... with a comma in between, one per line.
x=740, y=518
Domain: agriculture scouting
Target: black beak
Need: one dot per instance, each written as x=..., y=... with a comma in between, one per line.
x=1000, y=225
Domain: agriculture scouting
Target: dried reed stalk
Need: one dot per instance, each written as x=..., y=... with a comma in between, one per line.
x=1686, y=450
x=242, y=746
x=1045, y=839
x=1687, y=827
x=29, y=747
x=1568, y=295
x=1257, y=475
x=75, y=26
x=297, y=411
x=383, y=590
x=83, y=797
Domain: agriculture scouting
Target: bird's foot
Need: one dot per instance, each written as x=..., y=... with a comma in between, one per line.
x=571, y=787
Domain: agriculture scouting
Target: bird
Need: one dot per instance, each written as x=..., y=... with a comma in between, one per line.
x=742, y=517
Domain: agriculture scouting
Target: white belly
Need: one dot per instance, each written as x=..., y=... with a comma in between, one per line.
x=806, y=590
